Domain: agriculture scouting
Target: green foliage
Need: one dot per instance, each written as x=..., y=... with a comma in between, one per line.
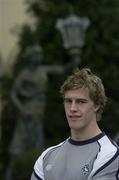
x=23, y=165
x=55, y=124
x=27, y=37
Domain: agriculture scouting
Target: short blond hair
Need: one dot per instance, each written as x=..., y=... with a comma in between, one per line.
x=84, y=78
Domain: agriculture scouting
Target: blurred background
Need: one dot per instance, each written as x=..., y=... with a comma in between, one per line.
x=41, y=42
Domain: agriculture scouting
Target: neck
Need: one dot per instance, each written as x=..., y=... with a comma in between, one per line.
x=84, y=134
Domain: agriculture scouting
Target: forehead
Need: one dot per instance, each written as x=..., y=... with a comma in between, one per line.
x=77, y=93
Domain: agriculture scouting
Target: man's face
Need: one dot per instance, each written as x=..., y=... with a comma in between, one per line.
x=80, y=109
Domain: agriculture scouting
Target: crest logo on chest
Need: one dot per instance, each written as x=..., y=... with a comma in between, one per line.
x=85, y=169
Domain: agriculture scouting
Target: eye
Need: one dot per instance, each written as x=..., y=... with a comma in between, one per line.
x=80, y=101
x=67, y=101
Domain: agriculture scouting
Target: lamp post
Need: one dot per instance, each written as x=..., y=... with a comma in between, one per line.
x=73, y=30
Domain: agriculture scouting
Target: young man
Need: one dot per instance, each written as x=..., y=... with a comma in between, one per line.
x=88, y=154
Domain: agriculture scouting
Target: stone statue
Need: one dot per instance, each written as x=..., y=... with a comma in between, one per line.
x=29, y=96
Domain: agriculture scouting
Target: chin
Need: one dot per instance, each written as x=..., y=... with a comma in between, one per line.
x=76, y=127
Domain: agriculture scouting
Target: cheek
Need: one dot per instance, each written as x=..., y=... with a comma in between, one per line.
x=65, y=109
x=87, y=111
x=91, y=112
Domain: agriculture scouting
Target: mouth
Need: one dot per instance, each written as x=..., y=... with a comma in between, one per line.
x=74, y=117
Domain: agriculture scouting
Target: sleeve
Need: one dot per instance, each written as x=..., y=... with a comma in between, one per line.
x=38, y=168
x=38, y=173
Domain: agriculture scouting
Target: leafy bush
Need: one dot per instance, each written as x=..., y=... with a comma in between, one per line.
x=23, y=165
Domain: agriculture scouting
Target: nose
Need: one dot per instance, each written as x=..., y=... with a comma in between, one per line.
x=73, y=107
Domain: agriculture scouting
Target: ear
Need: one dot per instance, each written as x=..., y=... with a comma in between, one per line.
x=96, y=107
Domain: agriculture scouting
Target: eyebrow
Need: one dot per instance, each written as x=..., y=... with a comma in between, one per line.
x=79, y=99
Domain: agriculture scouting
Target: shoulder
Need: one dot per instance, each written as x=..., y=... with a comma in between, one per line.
x=50, y=149
x=108, y=156
x=108, y=148
x=107, y=145
x=38, y=167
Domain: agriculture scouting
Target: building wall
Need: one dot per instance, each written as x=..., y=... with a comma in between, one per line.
x=12, y=13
